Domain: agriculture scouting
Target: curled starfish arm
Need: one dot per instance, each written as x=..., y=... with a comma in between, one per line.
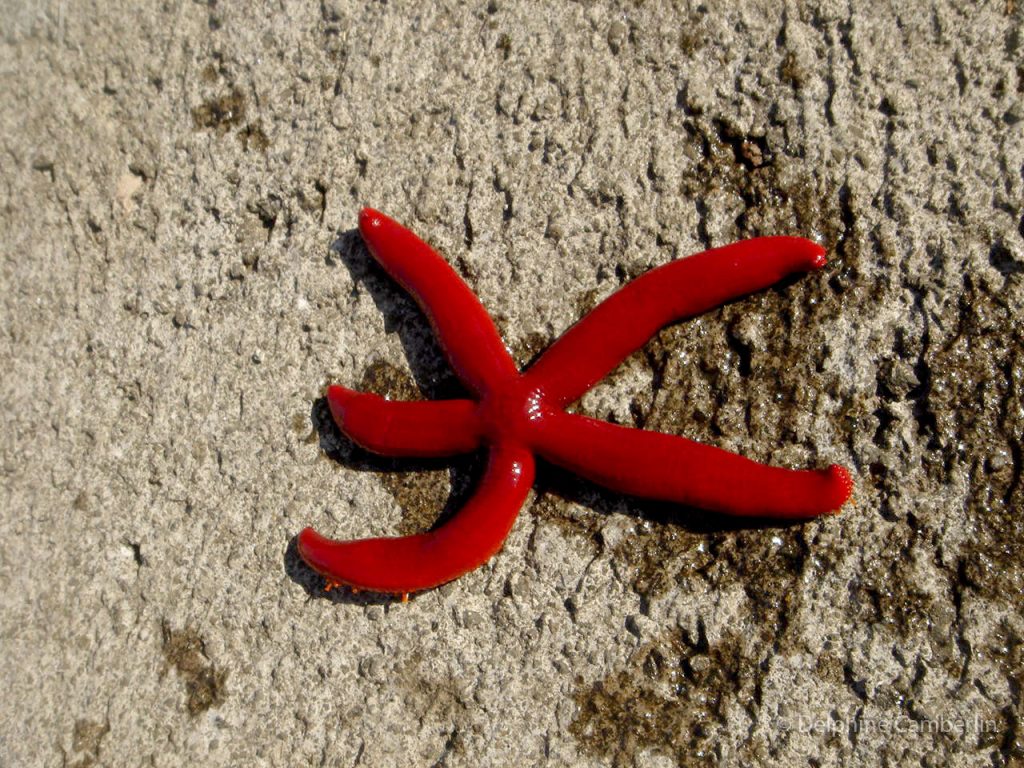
x=397, y=428
x=654, y=465
x=464, y=329
x=412, y=563
x=624, y=321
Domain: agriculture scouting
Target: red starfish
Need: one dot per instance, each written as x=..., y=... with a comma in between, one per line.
x=518, y=415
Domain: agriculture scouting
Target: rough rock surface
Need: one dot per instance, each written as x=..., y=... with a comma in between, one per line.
x=180, y=278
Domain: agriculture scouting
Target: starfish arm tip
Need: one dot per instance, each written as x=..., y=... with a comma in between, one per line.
x=842, y=483
x=813, y=254
x=338, y=396
x=340, y=401
x=310, y=545
x=368, y=218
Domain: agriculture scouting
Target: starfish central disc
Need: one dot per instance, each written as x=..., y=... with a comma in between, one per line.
x=511, y=410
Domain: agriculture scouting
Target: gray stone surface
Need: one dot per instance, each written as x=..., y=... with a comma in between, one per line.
x=180, y=279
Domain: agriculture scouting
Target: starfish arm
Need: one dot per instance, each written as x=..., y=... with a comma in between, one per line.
x=654, y=465
x=412, y=563
x=464, y=329
x=396, y=428
x=624, y=321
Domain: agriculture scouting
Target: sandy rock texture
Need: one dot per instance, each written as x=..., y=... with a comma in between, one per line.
x=179, y=187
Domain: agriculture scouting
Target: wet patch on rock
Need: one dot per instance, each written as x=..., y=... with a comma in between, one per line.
x=253, y=137
x=185, y=650
x=389, y=381
x=527, y=349
x=981, y=363
x=225, y=112
x=779, y=196
x=220, y=113
x=673, y=698
x=551, y=506
x=85, y=742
